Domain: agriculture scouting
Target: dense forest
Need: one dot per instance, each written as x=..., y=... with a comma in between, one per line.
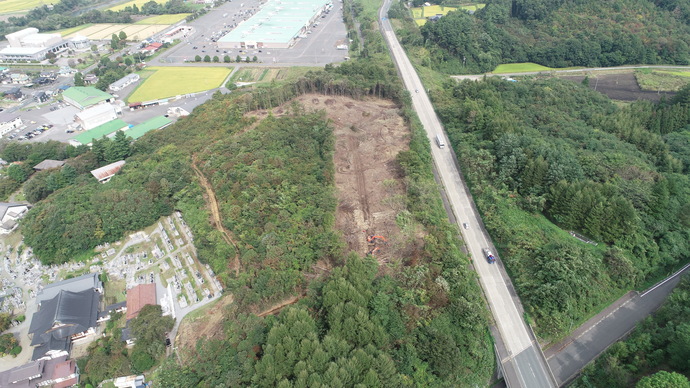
x=561, y=33
x=661, y=342
x=545, y=157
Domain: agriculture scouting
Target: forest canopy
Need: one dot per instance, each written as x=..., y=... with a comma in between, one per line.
x=547, y=157
x=551, y=33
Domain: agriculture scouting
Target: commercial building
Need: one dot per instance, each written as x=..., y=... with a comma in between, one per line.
x=80, y=43
x=29, y=45
x=158, y=122
x=107, y=129
x=55, y=371
x=94, y=116
x=277, y=25
x=9, y=122
x=10, y=213
x=124, y=82
x=83, y=97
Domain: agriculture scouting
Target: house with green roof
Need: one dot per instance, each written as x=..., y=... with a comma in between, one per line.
x=106, y=129
x=157, y=122
x=85, y=96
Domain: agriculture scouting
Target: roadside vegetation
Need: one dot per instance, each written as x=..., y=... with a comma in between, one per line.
x=660, y=345
x=546, y=157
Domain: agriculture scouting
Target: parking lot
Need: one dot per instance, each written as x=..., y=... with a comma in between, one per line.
x=58, y=115
x=317, y=47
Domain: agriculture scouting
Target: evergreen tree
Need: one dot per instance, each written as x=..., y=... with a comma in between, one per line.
x=78, y=79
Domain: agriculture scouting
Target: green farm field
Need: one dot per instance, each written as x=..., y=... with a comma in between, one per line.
x=525, y=67
x=662, y=80
x=260, y=75
x=172, y=81
x=12, y=6
x=164, y=19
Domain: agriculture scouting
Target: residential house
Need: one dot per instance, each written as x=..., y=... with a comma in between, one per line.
x=9, y=122
x=124, y=82
x=14, y=94
x=51, y=371
x=90, y=79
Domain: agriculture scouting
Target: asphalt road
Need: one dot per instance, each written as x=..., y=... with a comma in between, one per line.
x=596, y=335
x=522, y=361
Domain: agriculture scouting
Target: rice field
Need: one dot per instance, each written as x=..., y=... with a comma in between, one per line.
x=172, y=81
x=139, y=4
x=13, y=6
x=133, y=31
x=164, y=19
x=70, y=31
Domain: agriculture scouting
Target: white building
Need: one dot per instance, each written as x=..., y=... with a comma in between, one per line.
x=92, y=117
x=29, y=45
x=9, y=122
x=124, y=82
x=80, y=43
x=9, y=214
x=129, y=381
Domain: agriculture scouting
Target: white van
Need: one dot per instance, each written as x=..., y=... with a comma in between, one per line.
x=439, y=141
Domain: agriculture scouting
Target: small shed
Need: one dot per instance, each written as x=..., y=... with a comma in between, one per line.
x=49, y=164
x=103, y=174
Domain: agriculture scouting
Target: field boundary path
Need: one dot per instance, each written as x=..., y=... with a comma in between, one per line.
x=215, y=214
x=476, y=77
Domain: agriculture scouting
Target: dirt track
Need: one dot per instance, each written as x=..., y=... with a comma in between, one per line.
x=215, y=215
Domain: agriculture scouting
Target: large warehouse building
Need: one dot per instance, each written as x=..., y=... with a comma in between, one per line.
x=29, y=45
x=276, y=25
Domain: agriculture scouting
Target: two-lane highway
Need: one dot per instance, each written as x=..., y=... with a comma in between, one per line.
x=522, y=362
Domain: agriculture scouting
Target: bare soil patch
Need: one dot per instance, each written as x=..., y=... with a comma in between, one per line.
x=208, y=325
x=619, y=86
x=369, y=134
